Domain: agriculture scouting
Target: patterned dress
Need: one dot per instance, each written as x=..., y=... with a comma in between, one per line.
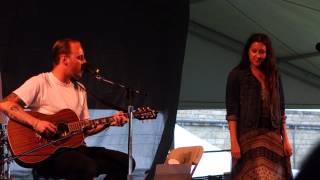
x=262, y=154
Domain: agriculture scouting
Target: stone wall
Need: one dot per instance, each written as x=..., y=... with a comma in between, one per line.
x=210, y=125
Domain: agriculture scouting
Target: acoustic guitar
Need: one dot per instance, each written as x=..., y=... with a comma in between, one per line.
x=30, y=147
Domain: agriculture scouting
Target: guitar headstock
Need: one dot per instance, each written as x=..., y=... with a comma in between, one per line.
x=143, y=113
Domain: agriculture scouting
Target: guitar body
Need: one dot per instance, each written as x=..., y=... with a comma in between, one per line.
x=31, y=148
x=24, y=141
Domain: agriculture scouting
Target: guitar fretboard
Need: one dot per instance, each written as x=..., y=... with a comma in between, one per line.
x=76, y=126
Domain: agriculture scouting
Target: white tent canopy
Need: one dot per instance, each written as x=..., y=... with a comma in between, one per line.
x=218, y=31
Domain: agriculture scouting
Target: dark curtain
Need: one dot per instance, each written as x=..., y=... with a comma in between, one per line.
x=139, y=44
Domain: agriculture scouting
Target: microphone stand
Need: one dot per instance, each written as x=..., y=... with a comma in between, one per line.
x=130, y=93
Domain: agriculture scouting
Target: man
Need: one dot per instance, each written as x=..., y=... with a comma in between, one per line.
x=50, y=92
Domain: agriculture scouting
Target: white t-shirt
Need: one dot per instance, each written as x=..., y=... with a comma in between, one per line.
x=46, y=94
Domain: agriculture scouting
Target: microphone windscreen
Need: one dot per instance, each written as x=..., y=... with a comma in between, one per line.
x=88, y=68
x=318, y=46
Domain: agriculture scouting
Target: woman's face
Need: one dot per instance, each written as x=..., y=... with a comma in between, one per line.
x=257, y=53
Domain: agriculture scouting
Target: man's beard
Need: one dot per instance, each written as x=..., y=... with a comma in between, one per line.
x=76, y=76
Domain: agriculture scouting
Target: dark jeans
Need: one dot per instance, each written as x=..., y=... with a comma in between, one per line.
x=84, y=163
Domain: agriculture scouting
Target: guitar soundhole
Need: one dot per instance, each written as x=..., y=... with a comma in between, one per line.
x=62, y=130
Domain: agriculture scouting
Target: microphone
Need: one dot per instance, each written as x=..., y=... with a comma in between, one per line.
x=88, y=68
x=318, y=46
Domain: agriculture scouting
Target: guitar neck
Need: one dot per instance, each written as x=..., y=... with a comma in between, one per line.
x=82, y=124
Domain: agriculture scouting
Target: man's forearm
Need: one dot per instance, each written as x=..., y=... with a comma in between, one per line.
x=16, y=112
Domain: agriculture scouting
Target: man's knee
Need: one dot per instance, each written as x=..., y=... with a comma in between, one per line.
x=84, y=170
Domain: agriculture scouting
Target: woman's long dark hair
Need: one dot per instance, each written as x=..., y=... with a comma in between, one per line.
x=270, y=70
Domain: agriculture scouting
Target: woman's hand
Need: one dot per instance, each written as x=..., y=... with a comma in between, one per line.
x=286, y=144
x=235, y=150
x=287, y=148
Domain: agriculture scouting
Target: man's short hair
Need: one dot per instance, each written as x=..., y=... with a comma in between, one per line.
x=61, y=46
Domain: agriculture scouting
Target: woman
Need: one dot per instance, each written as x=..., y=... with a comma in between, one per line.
x=260, y=147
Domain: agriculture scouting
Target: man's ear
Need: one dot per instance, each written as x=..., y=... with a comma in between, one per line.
x=64, y=59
